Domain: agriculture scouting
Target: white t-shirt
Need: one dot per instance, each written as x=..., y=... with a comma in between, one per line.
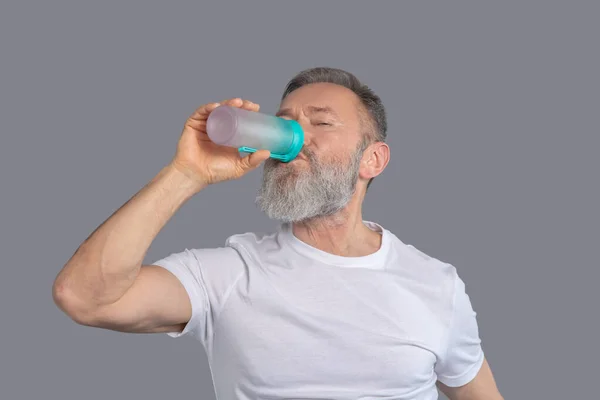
x=280, y=319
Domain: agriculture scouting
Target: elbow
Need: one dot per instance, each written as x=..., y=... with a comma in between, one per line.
x=73, y=307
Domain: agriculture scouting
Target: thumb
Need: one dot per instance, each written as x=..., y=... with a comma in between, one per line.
x=253, y=160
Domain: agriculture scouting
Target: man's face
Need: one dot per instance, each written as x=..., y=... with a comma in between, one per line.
x=322, y=179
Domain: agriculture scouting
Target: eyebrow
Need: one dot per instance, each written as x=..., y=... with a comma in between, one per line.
x=311, y=110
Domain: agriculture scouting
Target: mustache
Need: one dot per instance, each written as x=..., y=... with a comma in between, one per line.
x=307, y=154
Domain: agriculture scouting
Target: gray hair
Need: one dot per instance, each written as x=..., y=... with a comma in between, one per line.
x=373, y=117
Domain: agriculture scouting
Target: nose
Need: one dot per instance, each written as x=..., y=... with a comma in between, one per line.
x=308, y=134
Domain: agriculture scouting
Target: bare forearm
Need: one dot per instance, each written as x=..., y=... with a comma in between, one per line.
x=106, y=264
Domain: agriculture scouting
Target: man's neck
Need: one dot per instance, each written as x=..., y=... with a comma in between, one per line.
x=342, y=234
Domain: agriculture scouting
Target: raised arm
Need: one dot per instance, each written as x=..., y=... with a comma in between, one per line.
x=104, y=284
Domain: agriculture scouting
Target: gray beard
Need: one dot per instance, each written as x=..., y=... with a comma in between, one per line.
x=290, y=194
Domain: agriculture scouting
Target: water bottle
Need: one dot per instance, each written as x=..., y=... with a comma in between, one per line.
x=250, y=131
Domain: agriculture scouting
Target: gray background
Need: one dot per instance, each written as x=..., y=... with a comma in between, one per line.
x=493, y=126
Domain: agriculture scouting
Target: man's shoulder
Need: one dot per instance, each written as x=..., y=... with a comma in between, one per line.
x=421, y=266
x=410, y=252
x=254, y=242
x=254, y=238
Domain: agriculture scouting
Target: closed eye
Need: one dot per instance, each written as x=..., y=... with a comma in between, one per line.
x=324, y=124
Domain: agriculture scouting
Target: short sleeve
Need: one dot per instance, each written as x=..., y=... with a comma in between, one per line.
x=207, y=276
x=463, y=355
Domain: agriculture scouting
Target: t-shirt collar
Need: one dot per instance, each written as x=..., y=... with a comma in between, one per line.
x=373, y=260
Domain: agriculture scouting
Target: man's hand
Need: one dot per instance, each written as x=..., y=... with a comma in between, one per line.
x=482, y=387
x=206, y=162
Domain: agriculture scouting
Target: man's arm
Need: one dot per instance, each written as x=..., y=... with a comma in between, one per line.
x=482, y=387
x=104, y=283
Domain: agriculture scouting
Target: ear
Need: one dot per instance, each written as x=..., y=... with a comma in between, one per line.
x=375, y=158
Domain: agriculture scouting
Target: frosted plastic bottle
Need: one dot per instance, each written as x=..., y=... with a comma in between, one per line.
x=250, y=131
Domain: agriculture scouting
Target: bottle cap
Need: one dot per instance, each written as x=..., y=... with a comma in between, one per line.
x=295, y=147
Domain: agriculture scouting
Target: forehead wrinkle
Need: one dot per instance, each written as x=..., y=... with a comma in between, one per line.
x=321, y=109
x=308, y=110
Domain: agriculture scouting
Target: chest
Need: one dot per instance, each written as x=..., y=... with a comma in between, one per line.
x=359, y=331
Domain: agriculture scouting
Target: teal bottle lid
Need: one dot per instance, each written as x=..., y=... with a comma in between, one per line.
x=295, y=147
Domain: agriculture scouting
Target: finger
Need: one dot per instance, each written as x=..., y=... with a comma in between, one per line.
x=196, y=124
x=235, y=102
x=248, y=105
x=203, y=111
x=253, y=160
